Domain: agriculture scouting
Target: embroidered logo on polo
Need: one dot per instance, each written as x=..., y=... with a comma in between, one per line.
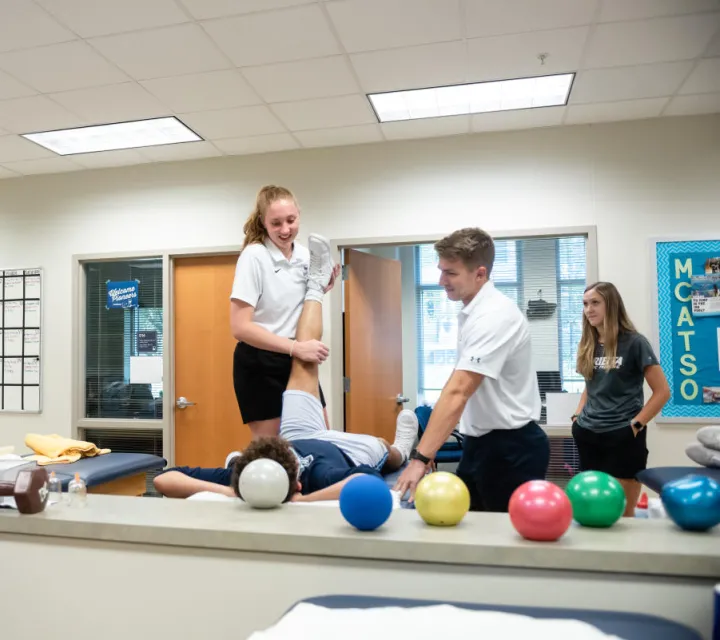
x=475, y=358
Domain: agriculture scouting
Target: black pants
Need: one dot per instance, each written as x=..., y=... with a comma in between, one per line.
x=260, y=378
x=494, y=465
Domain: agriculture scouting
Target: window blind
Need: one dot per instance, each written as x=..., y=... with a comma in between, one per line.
x=545, y=277
x=112, y=339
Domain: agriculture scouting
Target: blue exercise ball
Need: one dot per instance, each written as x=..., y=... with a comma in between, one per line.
x=692, y=502
x=366, y=502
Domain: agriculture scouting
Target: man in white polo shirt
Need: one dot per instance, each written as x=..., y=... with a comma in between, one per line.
x=493, y=392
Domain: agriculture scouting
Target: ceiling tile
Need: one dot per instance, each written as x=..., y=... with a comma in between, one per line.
x=520, y=119
x=704, y=79
x=24, y=25
x=159, y=53
x=37, y=113
x=183, y=151
x=258, y=144
x=13, y=148
x=429, y=65
x=325, y=113
x=427, y=128
x=203, y=91
x=233, y=123
x=43, y=165
x=11, y=88
x=6, y=173
x=618, y=10
x=204, y=9
x=264, y=38
x=629, y=83
x=491, y=18
x=61, y=67
x=103, y=159
x=516, y=56
x=361, y=134
x=89, y=18
x=691, y=105
x=659, y=40
x=112, y=103
x=609, y=111
x=367, y=25
x=302, y=80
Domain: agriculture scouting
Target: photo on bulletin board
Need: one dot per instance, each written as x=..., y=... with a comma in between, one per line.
x=686, y=319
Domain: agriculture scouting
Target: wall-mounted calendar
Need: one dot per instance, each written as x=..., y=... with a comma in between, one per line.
x=20, y=340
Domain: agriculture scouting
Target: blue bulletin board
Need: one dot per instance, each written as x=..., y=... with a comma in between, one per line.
x=687, y=326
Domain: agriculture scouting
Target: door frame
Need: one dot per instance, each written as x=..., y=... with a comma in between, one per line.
x=78, y=342
x=337, y=418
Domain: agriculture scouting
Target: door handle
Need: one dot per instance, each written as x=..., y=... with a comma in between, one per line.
x=400, y=399
x=183, y=403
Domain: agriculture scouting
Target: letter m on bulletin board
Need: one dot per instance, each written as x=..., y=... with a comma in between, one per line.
x=686, y=301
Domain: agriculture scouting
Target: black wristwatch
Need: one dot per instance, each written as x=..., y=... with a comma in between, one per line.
x=416, y=455
x=638, y=425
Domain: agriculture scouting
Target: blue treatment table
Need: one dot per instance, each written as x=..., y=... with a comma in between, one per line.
x=629, y=626
x=113, y=473
x=657, y=477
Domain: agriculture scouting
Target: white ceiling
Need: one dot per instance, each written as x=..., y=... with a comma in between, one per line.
x=253, y=76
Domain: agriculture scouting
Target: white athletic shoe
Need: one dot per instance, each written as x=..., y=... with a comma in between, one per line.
x=231, y=456
x=321, y=267
x=406, y=431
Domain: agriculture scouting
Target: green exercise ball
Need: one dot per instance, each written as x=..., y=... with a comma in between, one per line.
x=597, y=499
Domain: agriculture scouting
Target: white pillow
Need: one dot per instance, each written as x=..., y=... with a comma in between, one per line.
x=710, y=437
x=703, y=455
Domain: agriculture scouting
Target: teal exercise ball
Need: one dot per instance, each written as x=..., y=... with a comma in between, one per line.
x=692, y=502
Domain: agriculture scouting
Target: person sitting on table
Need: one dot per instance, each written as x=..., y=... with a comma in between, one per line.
x=318, y=461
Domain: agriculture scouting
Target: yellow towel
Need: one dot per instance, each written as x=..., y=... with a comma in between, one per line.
x=55, y=449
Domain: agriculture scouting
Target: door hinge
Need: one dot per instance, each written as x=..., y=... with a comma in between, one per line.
x=346, y=385
x=345, y=271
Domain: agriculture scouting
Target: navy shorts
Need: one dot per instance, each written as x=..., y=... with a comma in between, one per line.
x=495, y=464
x=218, y=475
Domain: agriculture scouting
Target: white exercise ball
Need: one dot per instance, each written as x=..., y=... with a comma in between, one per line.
x=264, y=484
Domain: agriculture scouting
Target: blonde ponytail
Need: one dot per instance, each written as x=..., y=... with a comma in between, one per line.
x=254, y=229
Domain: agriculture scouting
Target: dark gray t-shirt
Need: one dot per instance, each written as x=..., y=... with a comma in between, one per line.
x=615, y=397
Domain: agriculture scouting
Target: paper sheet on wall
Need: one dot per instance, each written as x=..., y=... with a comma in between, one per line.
x=146, y=370
x=32, y=286
x=13, y=288
x=13, y=314
x=32, y=313
x=32, y=342
x=12, y=398
x=560, y=407
x=12, y=370
x=31, y=398
x=31, y=373
x=13, y=342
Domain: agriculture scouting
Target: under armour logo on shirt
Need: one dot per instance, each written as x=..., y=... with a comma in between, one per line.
x=474, y=358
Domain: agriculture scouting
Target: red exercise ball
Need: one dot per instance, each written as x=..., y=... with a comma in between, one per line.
x=540, y=510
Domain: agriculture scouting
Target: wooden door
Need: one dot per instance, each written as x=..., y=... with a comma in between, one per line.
x=373, y=343
x=211, y=428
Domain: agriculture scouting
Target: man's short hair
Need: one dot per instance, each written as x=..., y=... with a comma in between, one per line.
x=274, y=448
x=472, y=246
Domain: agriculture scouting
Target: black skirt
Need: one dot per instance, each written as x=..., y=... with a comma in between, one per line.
x=260, y=378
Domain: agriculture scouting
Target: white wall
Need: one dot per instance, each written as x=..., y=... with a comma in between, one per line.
x=633, y=180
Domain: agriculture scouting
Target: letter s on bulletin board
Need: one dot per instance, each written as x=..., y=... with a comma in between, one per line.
x=686, y=302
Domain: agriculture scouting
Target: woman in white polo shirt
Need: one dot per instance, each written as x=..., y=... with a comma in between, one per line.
x=265, y=306
x=493, y=391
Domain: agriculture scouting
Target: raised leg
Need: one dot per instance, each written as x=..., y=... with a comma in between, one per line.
x=304, y=375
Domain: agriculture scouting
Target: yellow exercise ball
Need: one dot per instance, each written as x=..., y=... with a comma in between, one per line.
x=442, y=499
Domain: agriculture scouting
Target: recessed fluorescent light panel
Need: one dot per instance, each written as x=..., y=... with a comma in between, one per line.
x=109, y=137
x=480, y=97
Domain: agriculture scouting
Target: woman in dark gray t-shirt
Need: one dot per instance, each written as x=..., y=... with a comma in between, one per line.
x=609, y=426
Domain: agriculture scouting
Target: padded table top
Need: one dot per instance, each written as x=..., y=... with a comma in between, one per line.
x=655, y=478
x=629, y=626
x=107, y=467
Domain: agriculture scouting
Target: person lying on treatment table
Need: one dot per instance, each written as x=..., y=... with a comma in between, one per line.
x=319, y=462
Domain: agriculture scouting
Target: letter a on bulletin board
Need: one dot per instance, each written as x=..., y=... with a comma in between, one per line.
x=688, y=327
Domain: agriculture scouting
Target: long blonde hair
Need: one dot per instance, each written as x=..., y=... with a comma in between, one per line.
x=255, y=231
x=616, y=322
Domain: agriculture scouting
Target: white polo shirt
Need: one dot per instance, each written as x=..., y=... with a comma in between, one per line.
x=273, y=285
x=494, y=340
